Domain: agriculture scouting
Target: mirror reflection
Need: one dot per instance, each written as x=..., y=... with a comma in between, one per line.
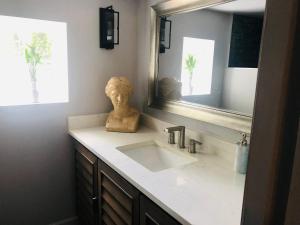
x=210, y=56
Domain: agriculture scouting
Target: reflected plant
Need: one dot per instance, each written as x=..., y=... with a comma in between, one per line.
x=190, y=65
x=36, y=53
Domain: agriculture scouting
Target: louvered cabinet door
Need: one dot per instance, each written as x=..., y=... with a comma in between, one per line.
x=86, y=186
x=118, y=199
x=152, y=214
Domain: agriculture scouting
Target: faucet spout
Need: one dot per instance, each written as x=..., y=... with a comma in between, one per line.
x=181, y=134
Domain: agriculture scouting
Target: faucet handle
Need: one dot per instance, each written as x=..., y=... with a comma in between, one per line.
x=192, y=146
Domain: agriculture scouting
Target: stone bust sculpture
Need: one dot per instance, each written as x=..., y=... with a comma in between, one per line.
x=123, y=118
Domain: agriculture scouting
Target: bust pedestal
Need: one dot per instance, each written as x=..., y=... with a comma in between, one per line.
x=127, y=124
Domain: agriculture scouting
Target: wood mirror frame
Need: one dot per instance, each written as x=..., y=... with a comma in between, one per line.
x=220, y=117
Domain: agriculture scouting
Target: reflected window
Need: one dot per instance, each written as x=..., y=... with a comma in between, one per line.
x=197, y=66
x=33, y=61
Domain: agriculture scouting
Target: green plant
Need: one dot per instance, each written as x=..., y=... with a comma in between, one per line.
x=190, y=65
x=36, y=53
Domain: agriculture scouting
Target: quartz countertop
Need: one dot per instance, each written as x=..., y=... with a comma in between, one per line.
x=206, y=192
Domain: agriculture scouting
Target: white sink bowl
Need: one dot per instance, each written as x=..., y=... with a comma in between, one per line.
x=156, y=156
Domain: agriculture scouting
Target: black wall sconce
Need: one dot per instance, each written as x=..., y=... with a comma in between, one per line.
x=162, y=34
x=107, y=27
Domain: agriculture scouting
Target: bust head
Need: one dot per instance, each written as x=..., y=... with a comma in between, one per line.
x=118, y=89
x=123, y=118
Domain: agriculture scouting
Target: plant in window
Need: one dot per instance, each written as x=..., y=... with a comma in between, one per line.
x=36, y=53
x=190, y=65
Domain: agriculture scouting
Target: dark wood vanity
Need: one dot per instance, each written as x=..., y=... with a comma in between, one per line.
x=105, y=197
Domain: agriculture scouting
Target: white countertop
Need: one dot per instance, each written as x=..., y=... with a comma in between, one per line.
x=207, y=192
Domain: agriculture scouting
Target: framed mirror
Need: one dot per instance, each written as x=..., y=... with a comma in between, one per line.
x=204, y=59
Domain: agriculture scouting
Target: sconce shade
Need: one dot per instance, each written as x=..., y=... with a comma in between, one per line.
x=107, y=27
x=162, y=34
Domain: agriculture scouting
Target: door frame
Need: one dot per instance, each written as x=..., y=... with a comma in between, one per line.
x=275, y=121
x=293, y=208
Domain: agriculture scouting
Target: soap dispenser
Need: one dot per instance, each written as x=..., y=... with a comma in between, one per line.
x=242, y=153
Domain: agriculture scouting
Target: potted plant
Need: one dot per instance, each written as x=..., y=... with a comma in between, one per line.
x=36, y=53
x=190, y=65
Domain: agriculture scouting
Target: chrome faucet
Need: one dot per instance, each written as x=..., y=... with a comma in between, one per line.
x=192, y=147
x=181, y=135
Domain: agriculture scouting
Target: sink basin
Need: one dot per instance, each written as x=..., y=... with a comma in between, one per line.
x=156, y=156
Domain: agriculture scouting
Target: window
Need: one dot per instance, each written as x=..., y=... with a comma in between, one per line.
x=33, y=61
x=197, y=66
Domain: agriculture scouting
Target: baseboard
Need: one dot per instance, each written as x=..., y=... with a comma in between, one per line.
x=68, y=221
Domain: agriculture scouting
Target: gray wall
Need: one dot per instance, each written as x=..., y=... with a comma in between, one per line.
x=142, y=80
x=239, y=89
x=36, y=159
x=204, y=24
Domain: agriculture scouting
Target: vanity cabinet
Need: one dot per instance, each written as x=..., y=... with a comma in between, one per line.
x=104, y=197
x=86, y=186
x=151, y=214
x=118, y=200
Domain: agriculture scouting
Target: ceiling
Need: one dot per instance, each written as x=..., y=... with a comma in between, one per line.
x=242, y=6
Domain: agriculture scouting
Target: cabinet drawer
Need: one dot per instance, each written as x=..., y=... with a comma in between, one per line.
x=118, y=199
x=152, y=214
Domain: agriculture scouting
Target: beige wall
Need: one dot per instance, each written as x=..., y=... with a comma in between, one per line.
x=36, y=159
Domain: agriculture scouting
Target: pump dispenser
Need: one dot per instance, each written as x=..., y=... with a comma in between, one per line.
x=242, y=153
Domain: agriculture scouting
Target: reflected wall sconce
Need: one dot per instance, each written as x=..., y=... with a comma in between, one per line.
x=109, y=27
x=165, y=26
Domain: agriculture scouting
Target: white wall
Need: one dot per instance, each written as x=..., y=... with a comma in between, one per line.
x=239, y=89
x=36, y=158
x=203, y=24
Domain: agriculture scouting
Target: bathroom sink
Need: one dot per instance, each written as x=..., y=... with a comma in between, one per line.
x=156, y=156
